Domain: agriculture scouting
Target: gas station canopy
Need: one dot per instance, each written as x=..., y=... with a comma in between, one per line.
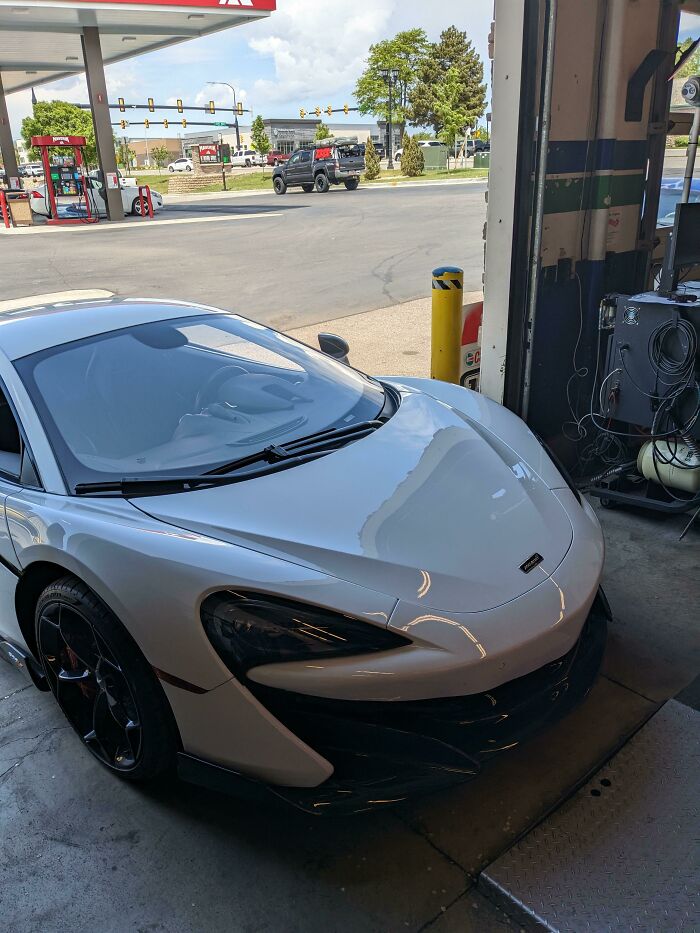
x=40, y=40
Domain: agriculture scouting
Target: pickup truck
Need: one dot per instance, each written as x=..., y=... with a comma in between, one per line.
x=277, y=158
x=328, y=162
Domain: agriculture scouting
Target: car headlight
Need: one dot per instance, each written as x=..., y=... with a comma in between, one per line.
x=247, y=630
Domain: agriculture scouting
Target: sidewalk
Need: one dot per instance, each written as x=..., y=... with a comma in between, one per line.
x=388, y=341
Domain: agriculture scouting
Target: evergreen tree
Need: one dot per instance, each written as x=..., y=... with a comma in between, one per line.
x=412, y=161
x=372, y=166
x=449, y=93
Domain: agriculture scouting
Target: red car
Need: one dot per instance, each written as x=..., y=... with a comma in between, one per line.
x=277, y=158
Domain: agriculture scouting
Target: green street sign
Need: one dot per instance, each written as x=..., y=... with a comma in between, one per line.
x=221, y=124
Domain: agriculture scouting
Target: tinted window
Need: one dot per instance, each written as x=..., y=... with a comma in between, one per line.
x=305, y=156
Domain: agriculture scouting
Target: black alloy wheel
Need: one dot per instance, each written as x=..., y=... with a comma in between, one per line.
x=322, y=183
x=279, y=185
x=102, y=683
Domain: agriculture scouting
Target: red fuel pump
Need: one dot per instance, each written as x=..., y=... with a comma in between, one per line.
x=65, y=175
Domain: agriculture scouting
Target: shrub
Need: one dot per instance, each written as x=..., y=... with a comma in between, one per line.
x=372, y=166
x=412, y=161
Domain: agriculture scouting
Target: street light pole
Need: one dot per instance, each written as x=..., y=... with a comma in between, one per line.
x=390, y=75
x=235, y=109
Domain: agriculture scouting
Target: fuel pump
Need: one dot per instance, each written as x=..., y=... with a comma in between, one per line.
x=65, y=174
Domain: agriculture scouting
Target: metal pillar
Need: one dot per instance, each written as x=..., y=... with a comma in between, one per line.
x=7, y=147
x=97, y=90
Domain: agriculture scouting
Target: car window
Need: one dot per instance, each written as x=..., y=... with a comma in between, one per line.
x=305, y=156
x=186, y=394
x=10, y=441
x=294, y=158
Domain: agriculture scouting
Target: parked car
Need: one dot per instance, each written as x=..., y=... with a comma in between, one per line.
x=670, y=196
x=329, y=162
x=424, y=144
x=130, y=200
x=229, y=553
x=472, y=146
x=246, y=158
x=277, y=158
x=31, y=170
x=380, y=150
x=180, y=165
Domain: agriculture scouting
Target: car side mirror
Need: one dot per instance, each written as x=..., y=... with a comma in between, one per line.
x=334, y=346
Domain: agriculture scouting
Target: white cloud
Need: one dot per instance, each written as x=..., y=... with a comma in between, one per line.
x=317, y=49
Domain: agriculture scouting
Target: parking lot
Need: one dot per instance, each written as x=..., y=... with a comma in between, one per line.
x=286, y=261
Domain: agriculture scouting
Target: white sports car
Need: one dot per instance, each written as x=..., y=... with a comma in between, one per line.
x=226, y=552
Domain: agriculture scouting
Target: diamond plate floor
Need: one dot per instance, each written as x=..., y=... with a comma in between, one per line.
x=623, y=854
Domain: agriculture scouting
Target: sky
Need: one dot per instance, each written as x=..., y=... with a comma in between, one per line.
x=309, y=53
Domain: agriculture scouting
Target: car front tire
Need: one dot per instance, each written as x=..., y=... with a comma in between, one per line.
x=188, y=168
x=103, y=684
x=279, y=185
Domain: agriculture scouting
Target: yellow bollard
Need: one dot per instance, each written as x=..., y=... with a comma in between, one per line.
x=448, y=289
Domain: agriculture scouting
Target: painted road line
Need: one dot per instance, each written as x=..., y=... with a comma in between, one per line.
x=140, y=225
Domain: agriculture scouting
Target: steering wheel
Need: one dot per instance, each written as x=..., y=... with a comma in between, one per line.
x=206, y=395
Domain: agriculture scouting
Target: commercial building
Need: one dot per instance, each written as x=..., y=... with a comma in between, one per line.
x=286, y=135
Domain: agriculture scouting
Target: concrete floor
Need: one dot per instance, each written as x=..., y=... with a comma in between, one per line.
x=81, y=850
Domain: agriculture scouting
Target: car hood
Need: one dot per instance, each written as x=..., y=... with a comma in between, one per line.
x=431, y=507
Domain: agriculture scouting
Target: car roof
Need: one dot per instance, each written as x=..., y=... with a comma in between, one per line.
x=32, y=328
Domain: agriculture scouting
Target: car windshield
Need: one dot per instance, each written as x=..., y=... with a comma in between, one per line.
x=186, y=395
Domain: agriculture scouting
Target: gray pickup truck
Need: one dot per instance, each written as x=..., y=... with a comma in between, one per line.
x=328, y=162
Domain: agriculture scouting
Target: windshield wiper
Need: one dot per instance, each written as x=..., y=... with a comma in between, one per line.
x=272, y=459
x=321, y=442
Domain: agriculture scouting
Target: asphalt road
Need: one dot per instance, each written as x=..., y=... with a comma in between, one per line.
x=285, y=261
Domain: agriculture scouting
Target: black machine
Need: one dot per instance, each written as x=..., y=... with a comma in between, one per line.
x=647, y=399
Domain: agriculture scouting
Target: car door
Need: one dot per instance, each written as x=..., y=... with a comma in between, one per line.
x=292, y=168
x=16, y=472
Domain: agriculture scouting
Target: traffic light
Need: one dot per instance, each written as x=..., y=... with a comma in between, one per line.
x=317, y=111
x=302, y=113
x=151, y=105
x=123, y=124
x=146, y=123
x=346, y=109
x=211, y=107
x=239, y=108
x=329, y=110
x=165, y=123
x=120, y=101
x=184, y=124
x=179, y=105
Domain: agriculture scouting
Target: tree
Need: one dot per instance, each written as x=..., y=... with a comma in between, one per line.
x=260, y=139
x=692, y=66
x=406, y=52
x=449, y=93
x=125, y=154
x=412, y=161
x=160, y=155
x=322, y=131
x=58, y=118
x=372, y=164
